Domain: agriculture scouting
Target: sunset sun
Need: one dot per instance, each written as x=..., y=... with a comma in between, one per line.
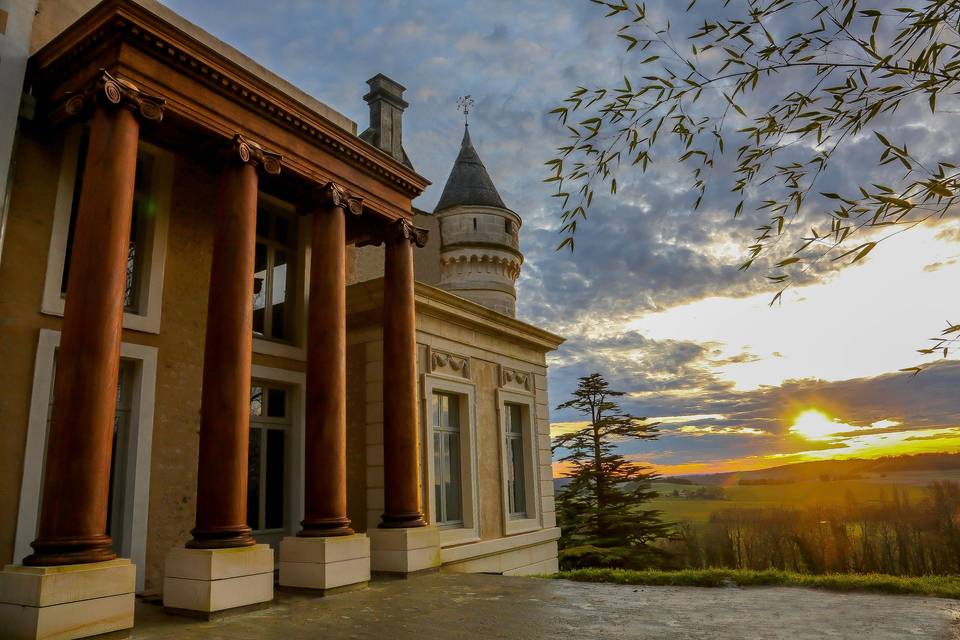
x=814, y=425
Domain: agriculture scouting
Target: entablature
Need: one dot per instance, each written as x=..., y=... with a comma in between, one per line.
x=214, y=91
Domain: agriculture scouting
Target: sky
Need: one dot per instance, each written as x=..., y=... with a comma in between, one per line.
x=651, y=298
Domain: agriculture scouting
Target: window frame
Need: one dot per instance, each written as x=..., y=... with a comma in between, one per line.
x=531, y=469
x=265, y=424
x=295, y=383
x=444, y=429
x=295, y=348
x=136, y=467
x=469, y=530
x=150, y=289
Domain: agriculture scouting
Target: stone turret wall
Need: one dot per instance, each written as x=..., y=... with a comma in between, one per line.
x=480, y=255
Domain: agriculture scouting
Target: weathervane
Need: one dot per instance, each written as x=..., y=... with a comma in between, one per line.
x=465, y=103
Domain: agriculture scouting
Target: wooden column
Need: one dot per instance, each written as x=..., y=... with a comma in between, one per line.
x=325, y=474
x=76, y=485
x=401, y=465
x=225, y=397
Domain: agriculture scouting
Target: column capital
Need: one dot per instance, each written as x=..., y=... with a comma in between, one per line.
x=403, y=229
x=398, y=230
x=110, y=91
x=333, y=195
x=247, y=151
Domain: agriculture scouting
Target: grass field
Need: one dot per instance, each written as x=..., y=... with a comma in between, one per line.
x=937, y=586
x=812, y=493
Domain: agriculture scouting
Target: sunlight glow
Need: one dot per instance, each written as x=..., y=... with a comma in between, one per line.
x=814, y=425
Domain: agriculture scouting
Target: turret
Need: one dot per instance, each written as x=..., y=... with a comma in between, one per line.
x=479, y=236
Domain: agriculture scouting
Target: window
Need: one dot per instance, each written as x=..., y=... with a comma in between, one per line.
x=508, y=226
x=516, y=485
x=519, y=466
x=133, y=438
x=447, y=486
x=148, y=232
x=144, y=210
x=118, y=450
x=274, y=273
x=267, y=457
x=450, y=472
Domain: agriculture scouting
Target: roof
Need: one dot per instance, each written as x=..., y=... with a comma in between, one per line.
x=230, y=53
x=469, y=183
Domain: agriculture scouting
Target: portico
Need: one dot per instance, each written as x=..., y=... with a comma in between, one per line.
x=129, y=76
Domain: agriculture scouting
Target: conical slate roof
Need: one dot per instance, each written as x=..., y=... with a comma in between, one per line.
x=469, y=183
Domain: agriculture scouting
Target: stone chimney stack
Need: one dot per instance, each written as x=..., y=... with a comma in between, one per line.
x=386, y=116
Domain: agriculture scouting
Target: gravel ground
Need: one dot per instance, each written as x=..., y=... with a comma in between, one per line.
x=487, y=607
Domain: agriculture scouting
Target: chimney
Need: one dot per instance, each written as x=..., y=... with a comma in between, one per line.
x=386, y=116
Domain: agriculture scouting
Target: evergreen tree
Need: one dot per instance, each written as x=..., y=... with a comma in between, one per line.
x=601, y=509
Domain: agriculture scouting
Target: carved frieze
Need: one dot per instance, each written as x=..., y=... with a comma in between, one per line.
x=515, y=379
x=447, y=363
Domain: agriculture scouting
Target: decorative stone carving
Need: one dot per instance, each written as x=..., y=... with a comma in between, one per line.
x=334, y=195
x=112, y=91
x=405, y=230
x=248, y=151
x=515, y=379
x=402, y=229
x=448, y=363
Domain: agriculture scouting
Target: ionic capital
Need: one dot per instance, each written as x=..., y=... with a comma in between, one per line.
x=403, y=229
x=335, y=195
x=111, y=91
x=249, y=152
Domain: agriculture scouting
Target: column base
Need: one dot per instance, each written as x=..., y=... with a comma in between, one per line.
x=327, y=564
x=404, y=551
x=208, y=582
x=67, y=601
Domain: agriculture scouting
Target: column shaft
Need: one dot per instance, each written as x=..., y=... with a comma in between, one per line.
x=225, y=400
x=400, y=430
x=73, y=517
x=325, y=475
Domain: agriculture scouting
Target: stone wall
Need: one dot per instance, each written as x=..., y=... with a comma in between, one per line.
x=481, y=345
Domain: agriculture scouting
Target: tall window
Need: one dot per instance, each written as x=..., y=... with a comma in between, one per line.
x=448, y=492
x=274, y=271
x=144, y=211
x=516, y=483
x=266, y=473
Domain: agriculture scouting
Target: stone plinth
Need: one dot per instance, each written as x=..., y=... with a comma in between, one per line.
x=204, y=582
x=67, y=601
x=404, y=551
x=325, y=564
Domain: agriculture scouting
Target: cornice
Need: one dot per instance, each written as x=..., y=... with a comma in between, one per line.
x=367, y=296
x=131, y=23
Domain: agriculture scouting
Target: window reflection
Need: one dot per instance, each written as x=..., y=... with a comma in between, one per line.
x=274, y=273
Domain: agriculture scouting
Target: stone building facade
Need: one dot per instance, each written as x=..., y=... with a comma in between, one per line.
x=219, y=372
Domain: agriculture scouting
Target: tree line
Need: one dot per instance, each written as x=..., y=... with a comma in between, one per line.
x=898, y=536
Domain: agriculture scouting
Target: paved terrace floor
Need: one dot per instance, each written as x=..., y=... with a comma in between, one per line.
x=486, y=607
